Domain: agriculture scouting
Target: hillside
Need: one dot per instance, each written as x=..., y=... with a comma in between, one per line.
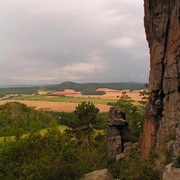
x=19, y=118
x=86, y=87
x=18, y=90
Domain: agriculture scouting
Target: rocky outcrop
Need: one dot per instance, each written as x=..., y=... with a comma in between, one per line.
x=162, y=26
x=117, y=133
x=102, y=174
x=132, y=149
x=171, y=172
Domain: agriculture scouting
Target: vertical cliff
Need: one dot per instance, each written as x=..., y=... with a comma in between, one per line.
x=162, y=26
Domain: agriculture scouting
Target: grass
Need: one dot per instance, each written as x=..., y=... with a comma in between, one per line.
x=60, y=128
x=64, y=99
x=7, y=138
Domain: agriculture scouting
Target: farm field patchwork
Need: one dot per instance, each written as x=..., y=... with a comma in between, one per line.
x=55, y=106
x=68, y=103
x=109, y=94
x=65, y=99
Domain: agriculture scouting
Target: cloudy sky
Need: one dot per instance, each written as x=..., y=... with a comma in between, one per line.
x=51, y=41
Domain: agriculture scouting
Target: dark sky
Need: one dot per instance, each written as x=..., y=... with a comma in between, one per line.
x=51, y=41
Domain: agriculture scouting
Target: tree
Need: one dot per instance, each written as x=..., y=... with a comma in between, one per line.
x=125, y=101
x=16, y=117
x=86, y=113
x=134, y=115
x=144, y=95
x=82, y=122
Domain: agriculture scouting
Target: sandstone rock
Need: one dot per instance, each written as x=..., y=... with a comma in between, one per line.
x=118, y=140
x=114, y=143
x=127, y=144
x=162, y=25
x=98, y=175
x=170, y=145
x=171, y=173
x=131, y=150
x=117, y=133
x=117, y=116
x=120, y=156
x=137, y=145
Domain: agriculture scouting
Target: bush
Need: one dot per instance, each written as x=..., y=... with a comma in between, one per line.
x=92, y=92
x=16, y=117
x=134, y=116
x=135, y=168
x=163, y=155
x=50, y=156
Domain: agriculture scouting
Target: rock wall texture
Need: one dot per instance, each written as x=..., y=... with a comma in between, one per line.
x=162, y=26
x=117, y=133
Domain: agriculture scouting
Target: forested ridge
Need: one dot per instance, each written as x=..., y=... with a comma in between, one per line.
x=86, y=88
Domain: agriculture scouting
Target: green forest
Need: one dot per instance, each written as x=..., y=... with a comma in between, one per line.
x=91, y=86
x=18, y=90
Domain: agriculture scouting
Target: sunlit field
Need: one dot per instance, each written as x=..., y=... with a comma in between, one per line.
x=58, y=105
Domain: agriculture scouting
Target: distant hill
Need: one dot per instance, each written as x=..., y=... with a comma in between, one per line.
x=18, y=90
x=18, y=86
x=85, y=87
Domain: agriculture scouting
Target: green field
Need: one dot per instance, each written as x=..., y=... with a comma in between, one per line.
x=64, y=99
x=60, y=128
x=42, y=131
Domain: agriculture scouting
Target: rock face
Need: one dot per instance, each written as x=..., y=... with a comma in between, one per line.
x=162, y=26
x=117, y=133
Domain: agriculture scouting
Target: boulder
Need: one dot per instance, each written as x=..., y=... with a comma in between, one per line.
x=171, y=172
x=117, y=133
x=102, y=174
x=120, y=156
x=130, y=150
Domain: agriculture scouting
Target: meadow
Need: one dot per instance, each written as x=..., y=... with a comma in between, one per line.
x=61, y=128
x=68, y=103
x=65, y=99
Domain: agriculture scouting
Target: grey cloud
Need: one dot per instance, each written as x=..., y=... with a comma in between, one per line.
x=41, y=38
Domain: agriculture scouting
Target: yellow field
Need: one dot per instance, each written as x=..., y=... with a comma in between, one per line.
x=110, y=94
x=70, y=101
x=55, y=106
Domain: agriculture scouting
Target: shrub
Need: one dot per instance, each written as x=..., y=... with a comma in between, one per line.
x=50, y=156
x=92, y=92
x=134, y=116
x=16, y=117
x=135, y=168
